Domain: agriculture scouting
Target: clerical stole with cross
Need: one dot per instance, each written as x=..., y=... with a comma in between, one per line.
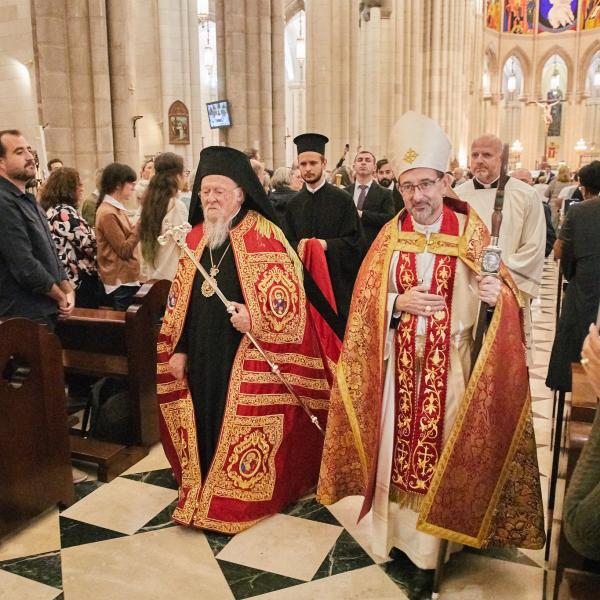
x=422, y=365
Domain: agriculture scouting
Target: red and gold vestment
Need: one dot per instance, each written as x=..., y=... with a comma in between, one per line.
x=268, y=452
x=482, y=485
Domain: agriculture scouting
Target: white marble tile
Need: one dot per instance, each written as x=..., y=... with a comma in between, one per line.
x=282, y=544
x=170, y=563
x=541, y=428
x=155, y=460
x=472, y=577
x=369, y=583
x=537, y=556
x=540, y=335
x=346, y=511
x=42, y=534
x=13, y=587
x=543, y=407
x=539, y=389
x=544, y=461
x=549, y=312
x=541, y=364
x=121, y=505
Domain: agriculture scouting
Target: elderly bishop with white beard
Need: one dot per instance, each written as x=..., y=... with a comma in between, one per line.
x=229, y=426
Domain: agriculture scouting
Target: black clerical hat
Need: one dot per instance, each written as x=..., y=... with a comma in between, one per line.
x=311, y=142
x=222, y=160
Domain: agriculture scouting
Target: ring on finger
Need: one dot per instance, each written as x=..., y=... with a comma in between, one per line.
x=428, y=308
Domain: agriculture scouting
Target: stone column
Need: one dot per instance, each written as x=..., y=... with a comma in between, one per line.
x=371, y=70
x=90, y=91
x=100, y=81
x=421, y=53
x=251, y=72
x=197, y=107
x=54, y=91
x=121, y=53
x=278, y=82
x=332, y=80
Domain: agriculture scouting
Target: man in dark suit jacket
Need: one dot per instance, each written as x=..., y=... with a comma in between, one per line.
x=578, y=248
x=374, y=203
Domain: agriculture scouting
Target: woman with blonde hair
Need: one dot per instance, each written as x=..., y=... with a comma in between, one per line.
x=161, y=208
x=562, y=180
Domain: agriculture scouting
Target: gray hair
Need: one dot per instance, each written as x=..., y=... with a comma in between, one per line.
x=281, y=177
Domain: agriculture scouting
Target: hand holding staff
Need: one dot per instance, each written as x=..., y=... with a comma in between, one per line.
x=178, y=234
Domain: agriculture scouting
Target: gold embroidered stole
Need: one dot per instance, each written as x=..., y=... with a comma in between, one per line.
x=422, y=369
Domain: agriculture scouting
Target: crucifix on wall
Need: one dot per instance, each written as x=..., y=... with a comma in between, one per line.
x=552, y=117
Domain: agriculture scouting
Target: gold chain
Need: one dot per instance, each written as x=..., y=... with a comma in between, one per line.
x=207, y=289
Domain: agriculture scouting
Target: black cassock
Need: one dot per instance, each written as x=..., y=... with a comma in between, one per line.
x=211, y=343
x=330, y=214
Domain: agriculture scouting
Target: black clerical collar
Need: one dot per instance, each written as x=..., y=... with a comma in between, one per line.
x=237, y=219
x=485, y=186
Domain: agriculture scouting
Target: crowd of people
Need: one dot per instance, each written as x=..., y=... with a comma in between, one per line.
x=374, y=266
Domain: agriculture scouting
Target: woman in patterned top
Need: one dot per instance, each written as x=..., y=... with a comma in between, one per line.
x=74, y=238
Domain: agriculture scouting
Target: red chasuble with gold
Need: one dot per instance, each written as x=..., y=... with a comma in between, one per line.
x=269, y=452
x=482, y=487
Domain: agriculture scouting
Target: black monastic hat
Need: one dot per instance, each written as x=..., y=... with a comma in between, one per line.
x=311, y=142
x=229, y=162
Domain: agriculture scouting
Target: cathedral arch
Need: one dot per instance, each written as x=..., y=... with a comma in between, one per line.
x=542, y=64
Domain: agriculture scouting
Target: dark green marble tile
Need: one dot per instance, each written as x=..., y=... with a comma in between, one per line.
x=509, y=554
x=162, y=520
x=311, y=509
x=43, y=568
x=246, y=582
x=346, y=555
x=217, y=541
x=414, y=582
x=75, y=533
x=83, y=489
x=161, y=477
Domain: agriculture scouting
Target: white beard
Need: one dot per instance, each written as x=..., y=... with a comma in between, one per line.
x=217, y=233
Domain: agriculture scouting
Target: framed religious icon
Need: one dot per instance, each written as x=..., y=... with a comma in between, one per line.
x=179, y=123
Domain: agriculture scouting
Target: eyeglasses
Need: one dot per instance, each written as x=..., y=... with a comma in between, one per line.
x=423, y=186
x=218, y=192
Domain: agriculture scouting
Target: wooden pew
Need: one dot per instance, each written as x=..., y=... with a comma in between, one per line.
x=119, y=344
x=564, y=561
x=583, y=398
x=35, y=465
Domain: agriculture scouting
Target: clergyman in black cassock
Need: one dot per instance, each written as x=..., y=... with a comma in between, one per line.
x=323, y=211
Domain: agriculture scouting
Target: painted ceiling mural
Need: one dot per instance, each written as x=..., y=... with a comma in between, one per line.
x=525, y=17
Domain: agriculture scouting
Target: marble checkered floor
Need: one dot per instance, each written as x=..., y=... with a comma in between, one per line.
x=116, y=541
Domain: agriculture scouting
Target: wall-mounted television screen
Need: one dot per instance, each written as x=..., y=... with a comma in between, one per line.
x=218, y=114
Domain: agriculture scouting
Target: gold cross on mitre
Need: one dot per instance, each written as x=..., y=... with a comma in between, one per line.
x=410, y=156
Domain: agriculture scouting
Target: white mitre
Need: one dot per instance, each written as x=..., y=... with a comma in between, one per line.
x=418, y=141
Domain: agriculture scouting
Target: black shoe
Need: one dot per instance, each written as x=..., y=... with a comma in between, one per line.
x=417, y=583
